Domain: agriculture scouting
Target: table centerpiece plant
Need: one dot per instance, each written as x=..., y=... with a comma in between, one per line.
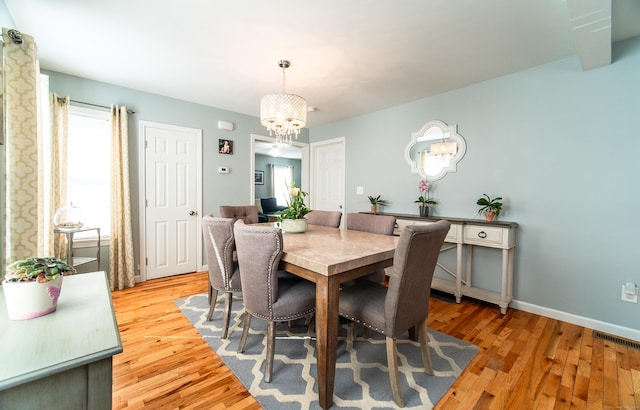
x=424, y=200
x=32, y=286
x=376, y=201
x=490, y=207
x=293, y=219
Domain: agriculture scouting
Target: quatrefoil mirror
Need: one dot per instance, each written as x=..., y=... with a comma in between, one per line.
x=435, y=150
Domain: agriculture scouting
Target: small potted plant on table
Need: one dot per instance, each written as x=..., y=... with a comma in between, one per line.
x=376, y=201
x=292, y=219
x=31, y=286
x=424, y=200
x=490, y=207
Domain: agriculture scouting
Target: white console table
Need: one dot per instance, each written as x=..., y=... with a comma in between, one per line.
x=471, y=233
x=62, y=360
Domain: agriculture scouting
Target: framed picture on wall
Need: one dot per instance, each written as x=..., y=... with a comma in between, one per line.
x=225, y=146
x=259, y=178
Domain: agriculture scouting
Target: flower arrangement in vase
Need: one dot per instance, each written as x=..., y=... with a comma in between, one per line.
x=292, y=219
x=424, y=200
x=32, y=286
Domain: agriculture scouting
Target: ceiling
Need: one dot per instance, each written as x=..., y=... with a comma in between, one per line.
x=348, y=57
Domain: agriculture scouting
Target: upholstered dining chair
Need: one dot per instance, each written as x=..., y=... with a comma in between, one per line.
x=404, y=304
x=223, y=270
x=380, y=224
x=325, y=218
x=267, y=294
x=248, y=213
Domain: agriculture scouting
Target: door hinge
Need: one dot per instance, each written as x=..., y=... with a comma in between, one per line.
x=146, y=261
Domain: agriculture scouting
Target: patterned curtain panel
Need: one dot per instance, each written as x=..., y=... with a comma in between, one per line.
x=58, y=170
x=20, y=88
x=121, y=259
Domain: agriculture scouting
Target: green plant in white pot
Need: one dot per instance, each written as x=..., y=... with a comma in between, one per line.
x=293, y=219
x=32, y=286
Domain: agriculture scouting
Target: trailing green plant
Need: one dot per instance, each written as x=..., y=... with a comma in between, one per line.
x=296, y=208
x=489, y=205
x=37, y=269
x=377, y=200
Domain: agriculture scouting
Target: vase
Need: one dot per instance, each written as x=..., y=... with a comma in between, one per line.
x=28, y=300
x=489, y=216
x=294, y=225
x=374, y=209
x=424, y=211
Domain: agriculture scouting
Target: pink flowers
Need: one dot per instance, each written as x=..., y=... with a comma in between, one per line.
x=423, y=186
x=424, y=199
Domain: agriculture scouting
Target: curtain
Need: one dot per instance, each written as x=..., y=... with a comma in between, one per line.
x=281, y=179
x=59, y=123
x=121, y=259
x=22, y=139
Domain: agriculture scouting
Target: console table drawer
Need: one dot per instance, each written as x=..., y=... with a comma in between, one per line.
x=453, y=236
x=488, y=236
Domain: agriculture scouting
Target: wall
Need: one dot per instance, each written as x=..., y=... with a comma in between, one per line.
x=217, y=189
x=262, y=164
x=560, y=145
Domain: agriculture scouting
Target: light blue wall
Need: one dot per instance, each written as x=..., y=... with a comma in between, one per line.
x=218, y=189
x=560, y=145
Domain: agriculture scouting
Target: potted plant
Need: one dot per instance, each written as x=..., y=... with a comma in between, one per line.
x=292, y=218
x=376, y=201
x=31, y=286
x=424, y=200
x=490, y=207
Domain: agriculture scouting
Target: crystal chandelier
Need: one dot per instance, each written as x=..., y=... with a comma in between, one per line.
x=283, y=114
x=444, y=151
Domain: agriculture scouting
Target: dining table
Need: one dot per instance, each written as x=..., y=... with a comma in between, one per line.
x=330, y=257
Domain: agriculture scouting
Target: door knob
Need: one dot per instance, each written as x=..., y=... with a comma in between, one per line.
x=191, y=213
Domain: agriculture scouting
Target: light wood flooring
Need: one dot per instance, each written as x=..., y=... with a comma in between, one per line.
x=525, y=362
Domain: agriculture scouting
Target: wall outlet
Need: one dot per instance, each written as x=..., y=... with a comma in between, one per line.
x=629, y=293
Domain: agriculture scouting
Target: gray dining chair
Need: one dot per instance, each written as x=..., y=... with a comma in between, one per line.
x=248, y=213
x=380, y=224
x=325, y=218
x=224, y=276
x=269, y=295
x=404, y=304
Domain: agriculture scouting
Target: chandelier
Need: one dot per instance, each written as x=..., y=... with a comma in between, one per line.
x=283, y=114
x=444, y=151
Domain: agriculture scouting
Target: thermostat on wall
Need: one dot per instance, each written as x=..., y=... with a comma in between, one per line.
x=223, y=170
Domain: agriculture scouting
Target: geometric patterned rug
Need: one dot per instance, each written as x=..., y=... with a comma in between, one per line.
x=361, y=378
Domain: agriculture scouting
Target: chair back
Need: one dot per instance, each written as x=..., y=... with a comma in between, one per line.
x=382, y=224
x=259, y=251
x=248, y=213
x=219, y=245
x=407, y=299
x=325, y=218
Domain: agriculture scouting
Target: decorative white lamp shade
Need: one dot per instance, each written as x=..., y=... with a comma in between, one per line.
x=444, y=149
x=284, y=115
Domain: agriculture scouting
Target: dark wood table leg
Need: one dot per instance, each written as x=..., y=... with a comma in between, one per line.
x=327, y=294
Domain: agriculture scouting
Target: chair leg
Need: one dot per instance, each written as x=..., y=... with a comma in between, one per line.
x=271, y=342
x=424, y=348
x=213, y=298
x=394, y=378
x=245, y=331
x=227, y=314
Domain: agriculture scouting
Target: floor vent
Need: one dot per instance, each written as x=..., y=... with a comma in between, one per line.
x=618, y=340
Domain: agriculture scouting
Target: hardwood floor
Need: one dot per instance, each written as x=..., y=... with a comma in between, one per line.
x=525, y=362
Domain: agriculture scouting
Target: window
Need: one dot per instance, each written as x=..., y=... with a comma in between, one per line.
x=282, y=178
x=89, y=167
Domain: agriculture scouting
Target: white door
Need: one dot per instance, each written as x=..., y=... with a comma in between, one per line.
x=172, y=227
x=327, y=169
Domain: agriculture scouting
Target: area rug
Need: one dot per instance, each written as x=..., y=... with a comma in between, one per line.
x=361, y=378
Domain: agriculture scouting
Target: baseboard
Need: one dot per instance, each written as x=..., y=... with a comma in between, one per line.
x=626, y=332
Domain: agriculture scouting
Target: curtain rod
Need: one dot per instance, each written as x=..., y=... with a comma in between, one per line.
x=130, y=112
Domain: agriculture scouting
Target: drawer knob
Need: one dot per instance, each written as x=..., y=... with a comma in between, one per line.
x=482, y=234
